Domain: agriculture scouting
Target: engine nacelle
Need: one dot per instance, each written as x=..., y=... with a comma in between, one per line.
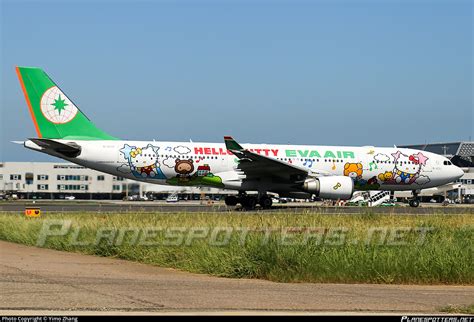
x=331, y=187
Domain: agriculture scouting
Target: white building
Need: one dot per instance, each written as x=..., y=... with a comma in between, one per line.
x=51, y=179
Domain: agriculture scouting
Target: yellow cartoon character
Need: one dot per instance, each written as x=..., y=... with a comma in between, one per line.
x=387, y=176
x=353, y=170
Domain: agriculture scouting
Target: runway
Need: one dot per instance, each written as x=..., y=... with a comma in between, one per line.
x=220, y=207
x=40, y=280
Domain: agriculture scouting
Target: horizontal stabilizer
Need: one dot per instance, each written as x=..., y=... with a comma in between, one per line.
x=70, y=149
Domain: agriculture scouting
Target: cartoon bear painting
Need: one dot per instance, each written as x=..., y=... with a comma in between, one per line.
x=143, y=161
x=353, y=170
x=386, y=176
x=184, y=168
x=203, y=176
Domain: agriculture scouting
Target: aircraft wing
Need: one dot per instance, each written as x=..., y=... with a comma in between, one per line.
x=257, y=166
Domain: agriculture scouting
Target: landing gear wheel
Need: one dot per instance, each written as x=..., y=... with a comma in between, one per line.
x=231, y=200
x=249, y=203
x=266, y=202
x=414, y=203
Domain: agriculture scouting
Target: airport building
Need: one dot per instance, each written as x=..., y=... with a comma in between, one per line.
x=57, y=180
x=51, y=180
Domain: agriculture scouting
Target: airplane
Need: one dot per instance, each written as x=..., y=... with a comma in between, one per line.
x=294, y=171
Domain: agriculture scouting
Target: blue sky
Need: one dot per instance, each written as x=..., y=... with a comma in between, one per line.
x=302, y=72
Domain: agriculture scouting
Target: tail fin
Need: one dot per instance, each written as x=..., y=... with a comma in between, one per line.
x=55, y=116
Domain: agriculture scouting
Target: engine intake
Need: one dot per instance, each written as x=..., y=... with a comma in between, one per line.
x=331, y=187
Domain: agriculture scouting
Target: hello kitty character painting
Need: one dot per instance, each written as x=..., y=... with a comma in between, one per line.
x=408, y=168
x=143, y=161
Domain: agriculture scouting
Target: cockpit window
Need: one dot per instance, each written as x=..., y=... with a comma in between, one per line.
x=447, y=163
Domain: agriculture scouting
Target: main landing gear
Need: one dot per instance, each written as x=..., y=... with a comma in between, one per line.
x=249, y=202
x=414, y=202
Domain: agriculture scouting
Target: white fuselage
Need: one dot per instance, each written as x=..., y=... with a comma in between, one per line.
x=210, y=164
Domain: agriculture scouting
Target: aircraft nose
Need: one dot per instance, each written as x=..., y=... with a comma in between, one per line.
x=458, y=173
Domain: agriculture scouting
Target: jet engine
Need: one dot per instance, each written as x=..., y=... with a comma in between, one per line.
x=331, y=187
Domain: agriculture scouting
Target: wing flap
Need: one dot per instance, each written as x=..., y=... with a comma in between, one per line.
x=255, y=165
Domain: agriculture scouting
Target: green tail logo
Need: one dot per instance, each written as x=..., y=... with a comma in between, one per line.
x=55, y=116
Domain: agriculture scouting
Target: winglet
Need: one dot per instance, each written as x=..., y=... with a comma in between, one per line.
x=231, y=144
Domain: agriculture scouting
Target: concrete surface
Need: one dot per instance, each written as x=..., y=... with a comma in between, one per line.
x=42, y=280
x=219, y=207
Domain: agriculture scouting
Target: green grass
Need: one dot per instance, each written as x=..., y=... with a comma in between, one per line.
x=445, y=256
x=460, y=309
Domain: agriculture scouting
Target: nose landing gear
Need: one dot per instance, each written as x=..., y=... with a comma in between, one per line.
x=414, y=203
